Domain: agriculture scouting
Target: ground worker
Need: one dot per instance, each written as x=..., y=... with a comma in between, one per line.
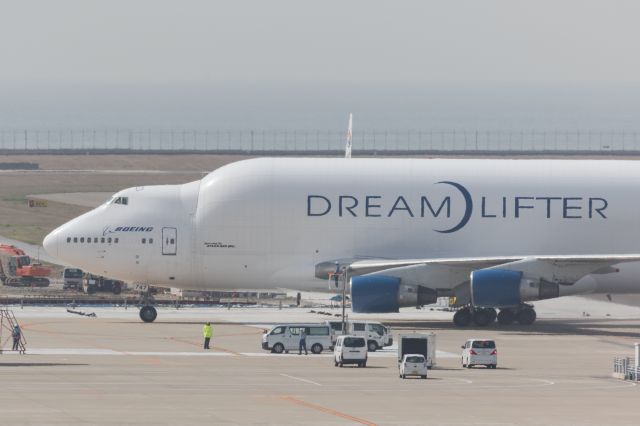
x=303, y=341
x=207, y=332
x=16, y=337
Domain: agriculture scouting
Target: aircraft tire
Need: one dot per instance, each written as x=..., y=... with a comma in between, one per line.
x=462, y=318
x=506, y=317
x=148, y=313
x=481, y=317
x=526, y=316
x=492, y=314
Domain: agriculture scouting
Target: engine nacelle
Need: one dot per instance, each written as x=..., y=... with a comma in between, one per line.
x=503, y=288
x=382, y=294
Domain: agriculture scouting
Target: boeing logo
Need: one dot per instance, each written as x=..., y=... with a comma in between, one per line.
x=448, y=206
x=107, y=230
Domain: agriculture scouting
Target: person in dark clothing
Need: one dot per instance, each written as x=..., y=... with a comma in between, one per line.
x=303, y=342
x=16, y=337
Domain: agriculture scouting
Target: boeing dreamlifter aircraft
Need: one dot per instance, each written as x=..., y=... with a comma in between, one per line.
x=494, y=234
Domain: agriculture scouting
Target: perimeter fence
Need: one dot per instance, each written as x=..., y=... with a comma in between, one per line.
x=260, y=142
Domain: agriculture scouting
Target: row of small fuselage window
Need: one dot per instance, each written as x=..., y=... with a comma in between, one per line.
x=101, y=240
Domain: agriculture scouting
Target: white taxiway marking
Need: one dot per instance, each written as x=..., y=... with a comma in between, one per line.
x=111, y=352
x=301, y=379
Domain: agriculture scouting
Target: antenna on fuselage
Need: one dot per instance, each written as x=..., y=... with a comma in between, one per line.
x=347, y=149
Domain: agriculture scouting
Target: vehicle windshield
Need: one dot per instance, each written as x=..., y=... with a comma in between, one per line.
x=377, y=328
x=483, y=344
x=277, y=330
x=415, y=359
x=73, y=273
x=354, y=342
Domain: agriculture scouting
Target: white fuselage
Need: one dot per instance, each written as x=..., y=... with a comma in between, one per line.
x=266, y=223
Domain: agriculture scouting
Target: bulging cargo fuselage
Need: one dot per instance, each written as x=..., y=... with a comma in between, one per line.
x=267, y=223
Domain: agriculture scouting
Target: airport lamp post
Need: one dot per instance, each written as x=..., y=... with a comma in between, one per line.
x=344, y=297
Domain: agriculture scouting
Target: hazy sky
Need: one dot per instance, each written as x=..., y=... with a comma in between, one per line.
x=84, y=62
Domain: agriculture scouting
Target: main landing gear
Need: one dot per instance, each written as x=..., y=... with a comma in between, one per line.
x=524, y=315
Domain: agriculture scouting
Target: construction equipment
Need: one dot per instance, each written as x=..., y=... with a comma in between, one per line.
x=8, y=322
x=17, y=270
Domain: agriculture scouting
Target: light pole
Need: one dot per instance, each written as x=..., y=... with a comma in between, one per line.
x=344, y=298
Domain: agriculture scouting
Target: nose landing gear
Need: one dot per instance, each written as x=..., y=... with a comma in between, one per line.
x=147, y=312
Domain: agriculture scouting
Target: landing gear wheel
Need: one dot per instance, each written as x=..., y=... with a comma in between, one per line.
x=278, y=348
x=506, y=316
x=526, y=316
x=481, y=317
x=148, y=313
x=372, y=346
x=492, y=314
x=316, y=348
x=462, y=318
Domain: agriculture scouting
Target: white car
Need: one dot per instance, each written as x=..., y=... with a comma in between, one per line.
x=350, y=350
x=479, y=352
x=413, y=365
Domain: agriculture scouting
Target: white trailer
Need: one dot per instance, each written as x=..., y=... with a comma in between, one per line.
x=418, y=343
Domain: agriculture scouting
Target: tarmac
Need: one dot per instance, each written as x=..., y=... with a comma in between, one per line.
x=114, y=369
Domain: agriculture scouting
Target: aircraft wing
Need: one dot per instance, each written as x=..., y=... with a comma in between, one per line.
x=450, y=272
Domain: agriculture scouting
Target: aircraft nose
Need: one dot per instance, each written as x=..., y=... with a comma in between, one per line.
x=50, y=243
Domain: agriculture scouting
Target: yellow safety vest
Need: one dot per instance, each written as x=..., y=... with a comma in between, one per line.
x=207, y=331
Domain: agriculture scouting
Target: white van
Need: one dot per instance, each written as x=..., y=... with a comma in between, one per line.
x=376, y=334
x=479, y=352
x=286, y=337
x=350, y=350
x=413, y=365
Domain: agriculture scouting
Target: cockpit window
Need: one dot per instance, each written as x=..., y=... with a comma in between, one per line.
x=121, y=200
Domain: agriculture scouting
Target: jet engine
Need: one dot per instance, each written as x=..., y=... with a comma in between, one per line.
x=503, y=288
x=382, y=293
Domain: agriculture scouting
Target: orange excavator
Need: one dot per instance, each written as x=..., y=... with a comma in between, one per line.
x=17, y=270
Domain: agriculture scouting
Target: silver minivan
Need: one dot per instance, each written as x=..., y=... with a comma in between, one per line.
x=286, y=337
x=350, y=350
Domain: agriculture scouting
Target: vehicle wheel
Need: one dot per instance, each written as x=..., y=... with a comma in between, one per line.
x=424, y=377
x=526, y=316
x=462, y=318
x=481, y=317
x=340, y=364
x=494, y=366
x=402, y=376
x=117, y=289
x=372, y=346
x=469, y=365
x=148, y=313
x=278, y=348
x=335, y=363
x=506, y=316
x=316, y=348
